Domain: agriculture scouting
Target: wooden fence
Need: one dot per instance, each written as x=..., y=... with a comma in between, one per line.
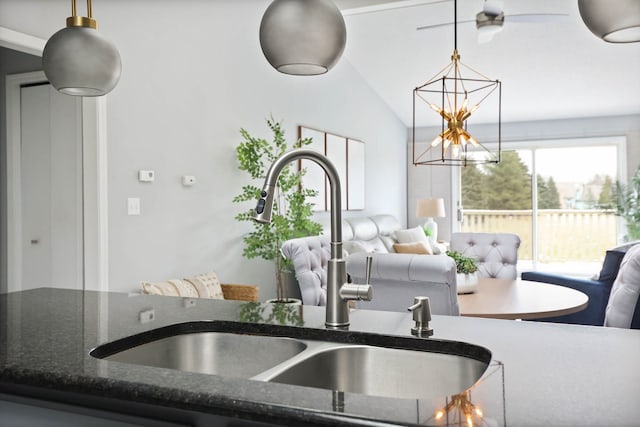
x=563, y=235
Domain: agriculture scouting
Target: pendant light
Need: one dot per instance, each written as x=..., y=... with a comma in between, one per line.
x=303, y=37
x=455, y=99
x=614, y=21
x=78, y=60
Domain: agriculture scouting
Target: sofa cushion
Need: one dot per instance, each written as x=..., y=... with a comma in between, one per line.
x=365, y=232
x=387, y=225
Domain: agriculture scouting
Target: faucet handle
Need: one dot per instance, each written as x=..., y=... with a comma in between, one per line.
x=352, y=291
x=422, y=316
x=349, y=292
x=367, y=277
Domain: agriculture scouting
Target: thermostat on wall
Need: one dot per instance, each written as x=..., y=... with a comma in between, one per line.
x=188, y=180
x=146, y=176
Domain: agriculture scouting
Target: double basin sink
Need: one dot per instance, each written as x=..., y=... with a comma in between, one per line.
x=370, y=364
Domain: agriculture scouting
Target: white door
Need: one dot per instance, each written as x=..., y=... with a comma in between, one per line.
x=51, y=187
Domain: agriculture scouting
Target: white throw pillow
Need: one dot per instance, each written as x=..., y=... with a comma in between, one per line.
x=201, y=286
x=174, y=287
x=207, y=285
x=411, y=235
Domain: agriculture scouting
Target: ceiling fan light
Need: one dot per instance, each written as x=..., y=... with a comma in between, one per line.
x=614, y=21
x=80, y=61
x=489, y=23
x=303, y=37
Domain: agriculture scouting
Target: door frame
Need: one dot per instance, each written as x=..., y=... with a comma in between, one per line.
x=94, y=173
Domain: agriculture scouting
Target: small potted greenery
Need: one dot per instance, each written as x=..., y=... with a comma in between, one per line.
x=292, y=211
x=466, y=268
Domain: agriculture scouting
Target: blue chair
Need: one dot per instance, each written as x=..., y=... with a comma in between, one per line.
x=598, y=290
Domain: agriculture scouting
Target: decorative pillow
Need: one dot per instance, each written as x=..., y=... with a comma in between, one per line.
x=411, y=235
x=413, y=248
x=175, y=288
x=207, y=286
x=610, y=266
x=201, y=286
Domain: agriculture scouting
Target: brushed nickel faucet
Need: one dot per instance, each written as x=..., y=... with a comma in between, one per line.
x=339, y=292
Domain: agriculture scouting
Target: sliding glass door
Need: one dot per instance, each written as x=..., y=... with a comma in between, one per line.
x=559, y=199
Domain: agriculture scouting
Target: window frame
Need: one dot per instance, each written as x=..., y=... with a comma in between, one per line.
x=618, y=141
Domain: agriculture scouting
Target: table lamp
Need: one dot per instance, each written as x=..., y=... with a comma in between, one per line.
x=430, y=208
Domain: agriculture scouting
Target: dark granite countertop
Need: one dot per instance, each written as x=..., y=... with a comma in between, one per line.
x=549, y=374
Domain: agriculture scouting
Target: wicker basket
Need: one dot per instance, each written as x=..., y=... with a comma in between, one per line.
x=240, y=292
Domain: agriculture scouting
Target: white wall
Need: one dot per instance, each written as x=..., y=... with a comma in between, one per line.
x=436, y=181
x=193, y=75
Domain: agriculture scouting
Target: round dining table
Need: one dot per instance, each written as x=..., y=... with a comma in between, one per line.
x=520, y=299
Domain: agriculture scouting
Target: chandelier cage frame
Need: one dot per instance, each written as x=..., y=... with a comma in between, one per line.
x=455, y=146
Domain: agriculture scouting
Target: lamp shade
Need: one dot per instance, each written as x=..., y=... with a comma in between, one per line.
x=302, y=37
x=615, y=21
x=80, y=61
x=430, y=208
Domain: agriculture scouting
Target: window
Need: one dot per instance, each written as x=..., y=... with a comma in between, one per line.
x=558, y=196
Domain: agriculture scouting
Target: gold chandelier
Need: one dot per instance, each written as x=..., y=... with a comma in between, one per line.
x=455, y=98
x=460, y=411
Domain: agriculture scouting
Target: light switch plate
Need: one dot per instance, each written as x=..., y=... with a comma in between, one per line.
x=133, y=206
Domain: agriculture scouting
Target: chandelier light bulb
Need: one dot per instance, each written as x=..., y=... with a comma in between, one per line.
x=455, y=150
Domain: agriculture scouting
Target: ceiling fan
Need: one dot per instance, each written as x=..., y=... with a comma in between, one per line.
x=491, y=19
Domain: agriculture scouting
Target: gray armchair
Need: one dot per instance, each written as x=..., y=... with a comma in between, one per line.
x=310, y=257
x=496, y=253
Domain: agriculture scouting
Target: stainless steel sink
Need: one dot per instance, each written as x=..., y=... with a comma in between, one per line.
x=231, y=355
x=384, y=372
x=333, y=360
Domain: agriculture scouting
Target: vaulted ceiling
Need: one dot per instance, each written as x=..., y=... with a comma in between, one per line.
x=549, y=70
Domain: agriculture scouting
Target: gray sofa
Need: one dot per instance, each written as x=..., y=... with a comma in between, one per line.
x=396, y=278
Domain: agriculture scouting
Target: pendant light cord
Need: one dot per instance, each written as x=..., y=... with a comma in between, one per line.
x=455, y=25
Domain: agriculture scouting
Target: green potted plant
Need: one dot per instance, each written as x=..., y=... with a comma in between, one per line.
x=628, y=205
x=466, y=269
x=292, y=211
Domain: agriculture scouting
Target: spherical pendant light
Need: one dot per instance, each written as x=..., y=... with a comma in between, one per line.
x=303, y=37
x=614, y=21
x=79, y=61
